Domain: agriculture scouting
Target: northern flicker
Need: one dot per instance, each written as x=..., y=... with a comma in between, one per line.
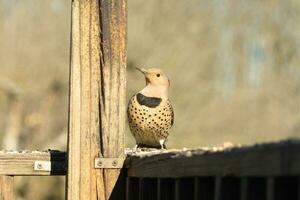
x=150, y=113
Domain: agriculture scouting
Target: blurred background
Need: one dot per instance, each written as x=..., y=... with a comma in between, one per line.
x=233, y=65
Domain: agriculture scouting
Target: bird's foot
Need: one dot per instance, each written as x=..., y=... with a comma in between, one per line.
x=134, y=148
x=162, y=145
x=137, y=149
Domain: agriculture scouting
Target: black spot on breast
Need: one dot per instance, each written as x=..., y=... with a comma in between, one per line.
x=150, y=102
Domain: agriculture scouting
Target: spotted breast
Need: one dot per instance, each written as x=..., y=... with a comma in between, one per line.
x=150, y=119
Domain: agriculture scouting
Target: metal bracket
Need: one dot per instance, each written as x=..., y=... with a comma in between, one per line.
x=42, y=166
x=109, y=163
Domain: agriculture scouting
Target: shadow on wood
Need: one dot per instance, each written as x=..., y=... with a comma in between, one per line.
x=119, y=191
x=58, y=162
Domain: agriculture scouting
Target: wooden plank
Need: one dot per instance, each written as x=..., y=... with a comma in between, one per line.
x=286, y=188
x=282, y=159
x=158, y=189
x=97, y=96
x=141, y=180
x=270, y=188
x=149, y=190
x=177, y=189
x=244, y=187
x=133, y=190
x=167, y=188
x=206, y=188
x=230, y=188
x=6, y=188
x=218, y=185
x=298, y=188
x=196, y=188
x=18, y=163
x=256, y=188
x=128, y=188
x=186, y=188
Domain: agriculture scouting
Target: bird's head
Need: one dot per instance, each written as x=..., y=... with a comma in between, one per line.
x=155, y=77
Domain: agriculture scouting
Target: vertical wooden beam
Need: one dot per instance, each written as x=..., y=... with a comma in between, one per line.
x=133, y=188
x=97, y=96
x=270, y=188
x=298, y=188
x=158, y=189
x=256, y=188
x=230, y=188
x=218, y=186
x=149, y=189
x=6, y=188
x=127, y=188
x=141, y=182
x=187, y=188
x=244, y=188
x=196, y=188
x=177, y=189
x=167, y=188
x=206, y=188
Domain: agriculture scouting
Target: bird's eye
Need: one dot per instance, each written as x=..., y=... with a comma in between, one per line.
x=158, y=75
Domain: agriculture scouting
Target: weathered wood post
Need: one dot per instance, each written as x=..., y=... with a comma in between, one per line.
x=97, y=97
x=6, y=188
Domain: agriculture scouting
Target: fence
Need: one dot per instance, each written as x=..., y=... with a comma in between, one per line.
x=262, y=172
x=94, y=161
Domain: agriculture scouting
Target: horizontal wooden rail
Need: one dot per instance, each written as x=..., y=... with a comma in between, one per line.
x=272, y=159
x=32, y=163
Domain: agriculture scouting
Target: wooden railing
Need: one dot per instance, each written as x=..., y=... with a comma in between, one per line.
x=261, y=172
x=268, y=171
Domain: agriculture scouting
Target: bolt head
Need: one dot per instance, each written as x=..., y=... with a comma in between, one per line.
x=114, y=163
x=39, y=166
x=99, y=163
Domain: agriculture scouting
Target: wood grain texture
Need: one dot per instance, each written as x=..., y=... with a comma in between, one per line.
x=97, y=96
x=259, y=160
x=6, y=188
x=22, y=163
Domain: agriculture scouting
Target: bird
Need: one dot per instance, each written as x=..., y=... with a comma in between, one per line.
x=150, y=112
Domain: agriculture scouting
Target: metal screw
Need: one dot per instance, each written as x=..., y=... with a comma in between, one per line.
x=114, y=163
x=99, y=163
x=39, y=166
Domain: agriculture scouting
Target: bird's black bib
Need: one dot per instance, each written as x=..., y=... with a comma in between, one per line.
x=150, y=102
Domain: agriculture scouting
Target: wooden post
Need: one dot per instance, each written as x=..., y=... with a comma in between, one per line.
x=97, y=96
x=6, y=188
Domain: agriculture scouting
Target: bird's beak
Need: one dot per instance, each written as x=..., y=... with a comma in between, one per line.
x=142, y=70
x=145, y=72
